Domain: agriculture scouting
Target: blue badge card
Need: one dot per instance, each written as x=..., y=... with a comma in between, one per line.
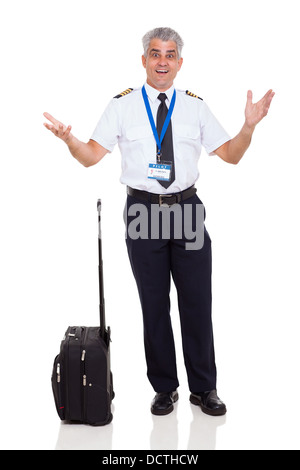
x=159, y=171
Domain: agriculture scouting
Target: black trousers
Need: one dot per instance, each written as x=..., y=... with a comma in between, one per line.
x=154, y=260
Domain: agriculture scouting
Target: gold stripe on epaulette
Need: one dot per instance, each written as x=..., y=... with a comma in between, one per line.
x=124, y=93
x=193, y=95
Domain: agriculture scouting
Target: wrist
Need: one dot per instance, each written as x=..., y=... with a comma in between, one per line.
x=71, y=141
x=248, y=129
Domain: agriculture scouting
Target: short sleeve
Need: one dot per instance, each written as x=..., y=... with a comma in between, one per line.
x=107, y=130
x=213, y=135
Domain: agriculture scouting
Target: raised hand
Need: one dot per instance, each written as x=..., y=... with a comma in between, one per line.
x=58, y=128
x=255, y=112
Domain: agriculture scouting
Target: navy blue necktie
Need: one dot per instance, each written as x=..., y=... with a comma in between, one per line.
x=167, y=143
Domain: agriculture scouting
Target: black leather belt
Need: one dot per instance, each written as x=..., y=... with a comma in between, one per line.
x=165, y=200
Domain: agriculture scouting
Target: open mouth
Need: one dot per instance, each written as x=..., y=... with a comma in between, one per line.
x=162, y=72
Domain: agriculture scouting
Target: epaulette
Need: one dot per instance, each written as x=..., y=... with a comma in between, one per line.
x=192, y=94
x=126, y=92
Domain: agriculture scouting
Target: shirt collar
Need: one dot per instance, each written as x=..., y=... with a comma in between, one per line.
x=153, y=92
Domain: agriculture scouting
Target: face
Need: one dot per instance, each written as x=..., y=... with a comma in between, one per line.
x=162, y=64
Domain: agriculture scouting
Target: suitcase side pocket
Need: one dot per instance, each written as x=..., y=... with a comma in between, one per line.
x=57, y=380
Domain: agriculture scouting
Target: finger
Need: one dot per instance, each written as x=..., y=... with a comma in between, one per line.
x=65, y=134
x=271, y=96
x=268, y=96
x=269, y=92
x=268, y=99
x=61, y=128
x=68, y=130
x=62, y=131
x=51, y=118
x=51, y=128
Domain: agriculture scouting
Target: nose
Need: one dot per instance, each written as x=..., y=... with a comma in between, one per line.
x=163, y=62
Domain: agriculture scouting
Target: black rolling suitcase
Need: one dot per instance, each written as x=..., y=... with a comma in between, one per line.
x=81, y=379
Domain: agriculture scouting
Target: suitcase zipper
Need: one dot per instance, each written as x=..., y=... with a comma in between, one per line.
x=73, y=335
x=57, y=386
x=83, y=360
x=84, y=375
x=84, y=383
x=58, y=373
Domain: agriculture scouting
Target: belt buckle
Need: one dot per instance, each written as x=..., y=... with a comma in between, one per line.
x=160, y=200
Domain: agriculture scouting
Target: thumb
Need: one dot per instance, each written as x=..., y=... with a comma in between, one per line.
x=249, y=97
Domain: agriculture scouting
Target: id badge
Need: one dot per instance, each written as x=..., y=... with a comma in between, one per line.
x=160, y=171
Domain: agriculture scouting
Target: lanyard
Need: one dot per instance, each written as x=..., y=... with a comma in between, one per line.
x=166, y=123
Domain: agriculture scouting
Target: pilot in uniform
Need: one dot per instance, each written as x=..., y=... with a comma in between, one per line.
x=154, y=261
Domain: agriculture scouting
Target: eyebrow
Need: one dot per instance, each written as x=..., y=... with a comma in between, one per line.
x=158, y=50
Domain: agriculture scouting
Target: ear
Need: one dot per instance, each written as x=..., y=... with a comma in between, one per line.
x=180, y=63
x=144, y=61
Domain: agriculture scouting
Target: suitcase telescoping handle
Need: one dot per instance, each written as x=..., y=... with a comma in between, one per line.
x=100, y=267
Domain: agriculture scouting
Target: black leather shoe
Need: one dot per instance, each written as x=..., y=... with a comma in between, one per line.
x=163, y=403
x=209, y=403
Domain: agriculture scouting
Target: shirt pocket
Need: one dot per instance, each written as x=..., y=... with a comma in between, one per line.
x=138, y=132
x=187, y=131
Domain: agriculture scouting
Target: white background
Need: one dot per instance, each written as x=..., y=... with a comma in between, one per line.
x=70, y=58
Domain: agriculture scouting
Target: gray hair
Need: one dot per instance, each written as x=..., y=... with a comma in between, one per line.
x=165, y=34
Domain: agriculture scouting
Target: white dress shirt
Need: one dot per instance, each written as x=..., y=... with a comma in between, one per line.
x=125, y=122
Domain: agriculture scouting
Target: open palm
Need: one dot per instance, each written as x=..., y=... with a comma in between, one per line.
x=255, y=112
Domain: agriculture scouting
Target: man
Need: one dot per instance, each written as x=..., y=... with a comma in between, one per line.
x=160, y=132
